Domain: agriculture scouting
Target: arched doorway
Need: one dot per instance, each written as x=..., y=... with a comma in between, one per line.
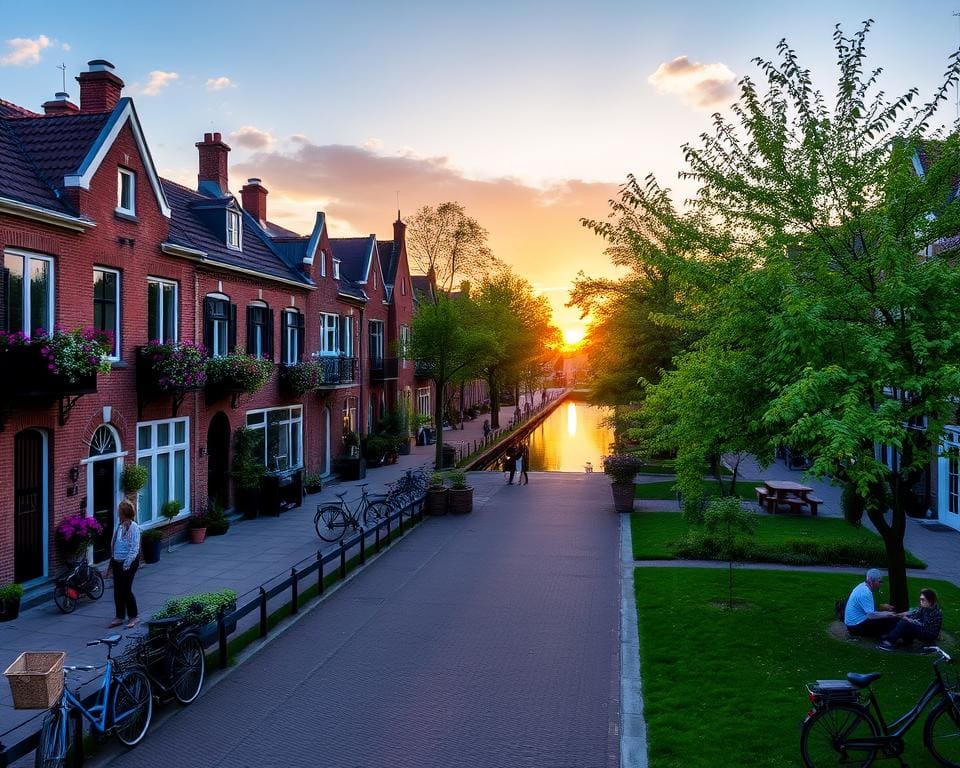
x=218, y=456
x=30, y=479
x=104, y=486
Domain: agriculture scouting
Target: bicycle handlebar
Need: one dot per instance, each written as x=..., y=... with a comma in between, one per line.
x=944, y=656
x=79, y=668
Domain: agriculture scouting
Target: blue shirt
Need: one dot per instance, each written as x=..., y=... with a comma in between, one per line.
x=126, y=544
x=859, y=605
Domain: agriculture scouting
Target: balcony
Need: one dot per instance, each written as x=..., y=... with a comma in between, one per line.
x=383, y=368
x=28, y=381
x=338, y=371
x=422, y=369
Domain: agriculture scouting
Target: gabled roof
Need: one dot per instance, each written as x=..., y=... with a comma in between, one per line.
x=389, y=251
x=422, y=287
x=355, y=255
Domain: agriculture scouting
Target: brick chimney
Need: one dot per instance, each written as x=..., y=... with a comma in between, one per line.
x=60, y=105
x=99, y=87
x=399, y=232
x=213, y=161
x=254, y=196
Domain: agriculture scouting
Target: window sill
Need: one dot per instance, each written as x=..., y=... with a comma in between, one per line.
x=119, y=364
x=130, y=216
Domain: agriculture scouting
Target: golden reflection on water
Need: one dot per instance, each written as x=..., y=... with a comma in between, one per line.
x=570, y=437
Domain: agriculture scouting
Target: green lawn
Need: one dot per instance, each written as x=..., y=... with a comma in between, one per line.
x=727, y=687
x=654, y=533
x=664, y=490
x=668, y=467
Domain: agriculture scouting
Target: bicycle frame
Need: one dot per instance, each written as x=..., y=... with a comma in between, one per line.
x=97, y=714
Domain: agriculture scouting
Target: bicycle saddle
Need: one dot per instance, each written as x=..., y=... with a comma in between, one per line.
x=862, y=681
x=111, y=640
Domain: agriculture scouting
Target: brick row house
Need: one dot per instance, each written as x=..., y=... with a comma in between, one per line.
x=92, y=238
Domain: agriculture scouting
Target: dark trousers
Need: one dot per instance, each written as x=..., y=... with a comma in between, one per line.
x=123, y=597
x=908, y=631
x=873, y=627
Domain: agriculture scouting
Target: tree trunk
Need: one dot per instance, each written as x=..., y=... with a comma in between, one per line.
x=494, y=402
x=892, y=535
x=438, y=423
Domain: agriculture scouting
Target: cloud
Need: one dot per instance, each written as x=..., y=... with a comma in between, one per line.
x=158, y=81
x=219, y=83
x=706, y=86
x=250, y=137
x=24, y=51
x=373, y=143
x=65, y=46
x=535, y=230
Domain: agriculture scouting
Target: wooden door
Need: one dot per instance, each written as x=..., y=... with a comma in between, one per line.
x=104, y=497
x=28, y=505
x=218, y=455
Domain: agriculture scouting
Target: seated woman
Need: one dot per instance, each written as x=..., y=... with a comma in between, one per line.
x=921, y=623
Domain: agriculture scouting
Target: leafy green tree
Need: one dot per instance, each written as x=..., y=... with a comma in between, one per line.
x=726, y=520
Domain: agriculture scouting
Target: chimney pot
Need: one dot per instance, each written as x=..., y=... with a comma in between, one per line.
x=254, y=200
x=208, y=138
x=60, y=105
x=255, y=182
x=100, y=65
x=100, y=87
x=216, y=137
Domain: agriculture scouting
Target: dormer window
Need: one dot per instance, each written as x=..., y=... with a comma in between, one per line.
x=126, y=192
x=336, y=269
x=233, y=230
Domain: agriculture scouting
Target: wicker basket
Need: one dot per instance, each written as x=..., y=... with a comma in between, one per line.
x=36, y=679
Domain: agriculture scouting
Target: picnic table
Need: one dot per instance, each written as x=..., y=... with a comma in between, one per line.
x=775, y=493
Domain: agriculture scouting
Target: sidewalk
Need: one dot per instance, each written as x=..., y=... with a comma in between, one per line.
x=250, y=555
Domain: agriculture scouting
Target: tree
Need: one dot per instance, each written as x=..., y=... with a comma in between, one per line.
x=449, y=244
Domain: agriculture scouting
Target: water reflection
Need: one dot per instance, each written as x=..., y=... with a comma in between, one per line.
x=570, y=437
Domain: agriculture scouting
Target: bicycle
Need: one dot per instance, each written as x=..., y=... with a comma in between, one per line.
x=124, y=706
x=172, y=655
x=840, y=729
x=82, y=579
x=332, y=519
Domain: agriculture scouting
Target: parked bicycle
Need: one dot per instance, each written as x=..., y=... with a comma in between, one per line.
x=81, y=580
x=124, y=706
x=841, y=729
x=409, y=488
x=172, y=655
x=333, y=519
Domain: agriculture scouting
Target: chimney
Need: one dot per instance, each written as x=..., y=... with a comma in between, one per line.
x=399, y=232
x=61, y=105
x=99, y=87
x=213, y=161
x=254, y=197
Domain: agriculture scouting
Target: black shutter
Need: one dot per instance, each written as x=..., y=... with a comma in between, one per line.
x=232, y=330
x=250, y=331
x=301, y=335
x=283, y=336
x=269, y=339
x=208, y=324
x=4, y=299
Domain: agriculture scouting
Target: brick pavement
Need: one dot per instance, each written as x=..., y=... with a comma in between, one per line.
x=485, y=640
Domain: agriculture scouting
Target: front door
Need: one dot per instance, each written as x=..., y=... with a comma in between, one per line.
x=104, y=493
x=218, y=453
x=29, y=505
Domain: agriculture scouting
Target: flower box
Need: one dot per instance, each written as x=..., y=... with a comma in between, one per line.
x=301, y=378
x=233, y=374
x=53, y=365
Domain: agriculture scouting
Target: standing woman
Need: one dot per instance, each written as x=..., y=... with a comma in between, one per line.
x=124, y=561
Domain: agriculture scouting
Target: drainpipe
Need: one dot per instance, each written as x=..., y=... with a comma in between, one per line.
x=361, y=405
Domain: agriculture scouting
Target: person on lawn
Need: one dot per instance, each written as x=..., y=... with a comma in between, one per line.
x=861, y=615
x=921, y=624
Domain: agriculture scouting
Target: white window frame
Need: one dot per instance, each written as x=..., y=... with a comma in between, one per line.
x=161, y=282
x=329, y=334
x=405, y=339
x=130, y=177
x=259, y=420
x=235, y=232
x=336, y=269
x=292, y=337
x=423, y=401
x=377, y=339
x=115, y=352
x=347, y=344
x=323, y=263
x=25, y=306
x=172, y=448
x=220, y=324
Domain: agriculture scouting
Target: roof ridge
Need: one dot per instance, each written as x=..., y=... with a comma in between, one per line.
x=23, y=111
x=64, y=200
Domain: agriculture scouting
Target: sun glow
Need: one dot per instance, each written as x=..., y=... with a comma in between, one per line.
x=573, y=335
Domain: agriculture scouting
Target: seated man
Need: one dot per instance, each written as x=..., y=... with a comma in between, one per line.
x=861, y=616
x=921, y=623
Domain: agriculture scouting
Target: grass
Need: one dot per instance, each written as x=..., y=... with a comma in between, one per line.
x=727, y=687
x=668, y=467
x=664, y=490
x=654, y=534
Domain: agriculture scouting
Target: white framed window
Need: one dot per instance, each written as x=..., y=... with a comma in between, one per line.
x=329, y=334
x=279, y=437
x=31, y=292
x=126, y=191
x=953, y=486
x=217, y=325
x=376, y=340
x=336, y=269
x=423, y=401
x=163, y=448
x=106, y=305
x=233, y=230
x=323, y=263
x=404, y=344
x=347, y=340
x=291, y=328
x=162, y=307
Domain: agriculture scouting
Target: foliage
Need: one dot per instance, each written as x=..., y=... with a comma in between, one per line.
x=378, y=446
x=725, y=520
x=175, y=367
x=76, y=533
x=197, y=520
x=201, y=608
x=133, y=478
x=458, y=480
x=622, y=467
x=217, y=522
x=351, y=439
x=73, y=354
x=436, y=480
x=312, y=481
x=852, y=504
x=240, y=371
x=247, y=467
x=300, y=378
x=11, y=591
x=151, y=534
x=170, y=508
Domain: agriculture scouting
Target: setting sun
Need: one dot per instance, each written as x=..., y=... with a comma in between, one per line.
x=573, y=336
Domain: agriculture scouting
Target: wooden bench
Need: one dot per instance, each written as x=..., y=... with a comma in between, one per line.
x=762, y=494
x=813, y=503
x=795, y=503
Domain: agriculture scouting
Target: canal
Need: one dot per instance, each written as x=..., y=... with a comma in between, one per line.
x=571, y=436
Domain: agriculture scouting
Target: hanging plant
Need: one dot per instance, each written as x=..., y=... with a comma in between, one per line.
x=238, y=372
x=175, y=367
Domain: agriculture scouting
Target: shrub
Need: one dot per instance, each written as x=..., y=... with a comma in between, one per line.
x=240, y=371
x=198, y=520
x=76, y=533
x=133, y=478
x=458, y=480
x=622, y=467
x=312, y=481
x=247, y=467
x=153, y=534
x=217, y=522
x=176, y=367
x=201, y=608
x=170, y=509
x=436, y=480
x=11, y=591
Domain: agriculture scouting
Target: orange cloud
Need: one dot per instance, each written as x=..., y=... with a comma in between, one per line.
x=536, y=230
x=706, y=86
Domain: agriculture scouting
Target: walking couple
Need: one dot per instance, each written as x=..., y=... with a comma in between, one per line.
x=516, y=462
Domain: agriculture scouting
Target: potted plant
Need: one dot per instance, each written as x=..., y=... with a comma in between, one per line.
x=351, y=443
x=238, y=373
x=76, y=534
x=217, y=522
x=300, y=378
x=10, y=595
x=435, y=502
x=622, y=468
x=150, y=541
x=377, y=449
x=170, y=509
x=132, y=480
x=312, y=482
x=197, y=525
x=460, y=495
x=247, y=471
x=200, y=608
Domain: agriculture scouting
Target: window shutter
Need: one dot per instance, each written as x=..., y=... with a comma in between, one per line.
x=208, y=324
x=269, y=339
x=232, y=330
x=301, y=335
x=4, y=299
x=284, y=319
x=250, y=348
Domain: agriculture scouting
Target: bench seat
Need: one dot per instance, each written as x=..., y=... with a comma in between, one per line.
x=814, y=502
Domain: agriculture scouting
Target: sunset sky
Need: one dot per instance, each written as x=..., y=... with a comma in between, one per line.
x=529, y=113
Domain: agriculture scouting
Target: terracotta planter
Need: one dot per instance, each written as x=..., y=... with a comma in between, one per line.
x=197, y=535
x=460, y=501
x=435, y=502
x=623, y=497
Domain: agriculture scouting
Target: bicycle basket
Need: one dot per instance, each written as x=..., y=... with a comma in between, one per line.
x=135, y=655
x=834, y=690
x=36, y=679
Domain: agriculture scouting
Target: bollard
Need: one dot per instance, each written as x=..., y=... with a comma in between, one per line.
x=294, y=591
x=263, y=612
x=400, y=522
x=343, y=560
x=221, y=640
x=319, y=573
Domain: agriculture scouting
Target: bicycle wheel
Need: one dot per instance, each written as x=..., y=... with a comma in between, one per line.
x=330, y=523
x=941, y=734
x=187, y=666
x=375, y=512
x=825, y=736
x=64, y=601
x=54, y=741
x=95, y=584
x=132, y=706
